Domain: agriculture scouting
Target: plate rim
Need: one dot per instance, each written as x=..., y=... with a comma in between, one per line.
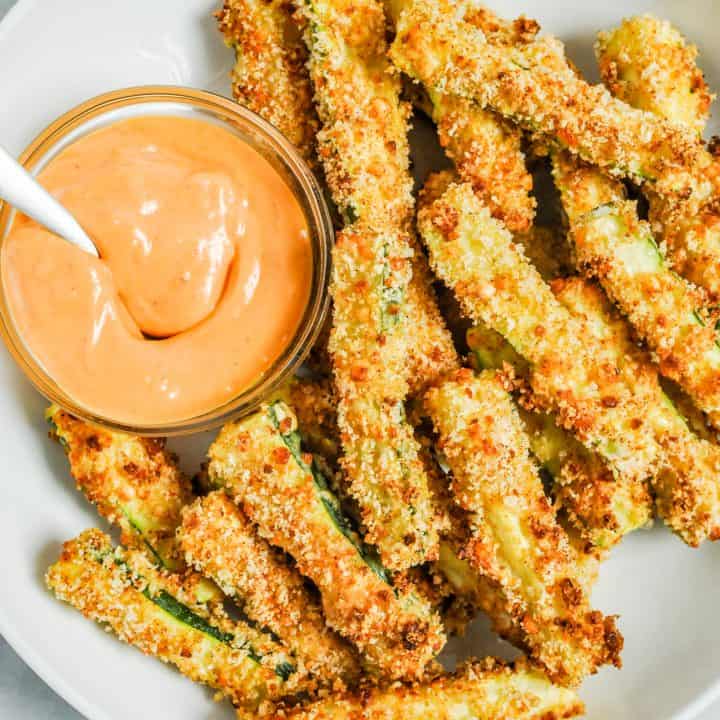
x=75, y=698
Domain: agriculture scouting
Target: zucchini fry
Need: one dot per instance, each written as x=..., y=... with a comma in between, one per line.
x=667, y=312
x=486, y=150
x=149, y=609
x=134, y=483
x=577, y=380
x=647, y=63
x=515, y=540
x=601, y=507
x=260, y=463
x=364, y=149
x=483, y=690
x=221, y=543
x=269, y=76
x=315, y=406
x=431, y=349
x=533, y=85
x=612, y=403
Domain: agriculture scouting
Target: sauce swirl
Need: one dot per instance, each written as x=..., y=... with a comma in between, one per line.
x=204, y=273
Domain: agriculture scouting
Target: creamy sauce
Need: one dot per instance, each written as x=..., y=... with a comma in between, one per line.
x=204, y=275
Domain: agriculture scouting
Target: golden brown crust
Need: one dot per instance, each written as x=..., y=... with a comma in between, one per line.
x=486, y=690
x=269, y=76
x=515, y=541
x=220, y=542
x=667, y=312
x=534, y=86
x=648, y=64
x=364, y=149
x=610, y=401
x=116, y=588
x=397, y=634
x=134, y=482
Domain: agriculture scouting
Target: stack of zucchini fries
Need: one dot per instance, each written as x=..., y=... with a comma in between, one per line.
x=336, y=537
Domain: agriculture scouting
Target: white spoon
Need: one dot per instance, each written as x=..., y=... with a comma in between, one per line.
x=21, y=190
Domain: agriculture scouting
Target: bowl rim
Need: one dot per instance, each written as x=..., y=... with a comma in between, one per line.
x=275, y=148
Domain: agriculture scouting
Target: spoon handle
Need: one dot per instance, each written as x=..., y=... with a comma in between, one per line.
x=21, y=190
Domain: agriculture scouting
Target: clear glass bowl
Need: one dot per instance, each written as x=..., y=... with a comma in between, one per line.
x=161, y=100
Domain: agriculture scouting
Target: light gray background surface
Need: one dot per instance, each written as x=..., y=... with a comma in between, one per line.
x=23, y=696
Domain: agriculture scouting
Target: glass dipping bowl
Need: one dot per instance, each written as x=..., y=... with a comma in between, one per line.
x=272, y=145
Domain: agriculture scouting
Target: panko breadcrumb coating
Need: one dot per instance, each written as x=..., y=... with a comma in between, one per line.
x=269, y=76
x=569, y=375
x=668, y=313
x=220, y=542
x=533, y=85
x=647, y=63
x=364, y=149
x=259, y=461
x=431, y=350
x=611, y=402
x=515, y=541
x=486, y=150
x=600, y=506
x=482, y=690
x=134, y=482
x=148, y=608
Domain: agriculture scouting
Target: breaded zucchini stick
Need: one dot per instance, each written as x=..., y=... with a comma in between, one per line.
x=364, y=149
x=381, y=462
x=269, y=76
x=315, y=406
x=612, y=403
x=486, y=150
x=431, y=350
x=482, y=690
x=569, y=375
x=647, y=63
x=260, y=463
x=515, y=540
x=149, y=609
x=134, y=482
x=667, y=312
x=221, y=543
x=601, y=506
x=533, y=85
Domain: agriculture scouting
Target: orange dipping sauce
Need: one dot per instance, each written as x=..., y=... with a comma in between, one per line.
x=204, y=274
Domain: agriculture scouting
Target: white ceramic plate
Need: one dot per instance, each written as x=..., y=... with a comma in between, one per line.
x=54, y=54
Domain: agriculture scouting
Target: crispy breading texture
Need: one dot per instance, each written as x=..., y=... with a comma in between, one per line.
x=667, y=312
x=269, y=76
x=364, y=148
x=363, y=141
x=611, y=400
x=367, y=345
x=601, y=507
x=431, y=350
x=515, y=540
x=486, y=150
x=259, y=461
x=134, y=482
x=534, y=85
x=315, y=406
x=686, y=488
x=483, y=690
x=570, y=375
x=143, y=607
x=649, y=64
x=220, y=542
